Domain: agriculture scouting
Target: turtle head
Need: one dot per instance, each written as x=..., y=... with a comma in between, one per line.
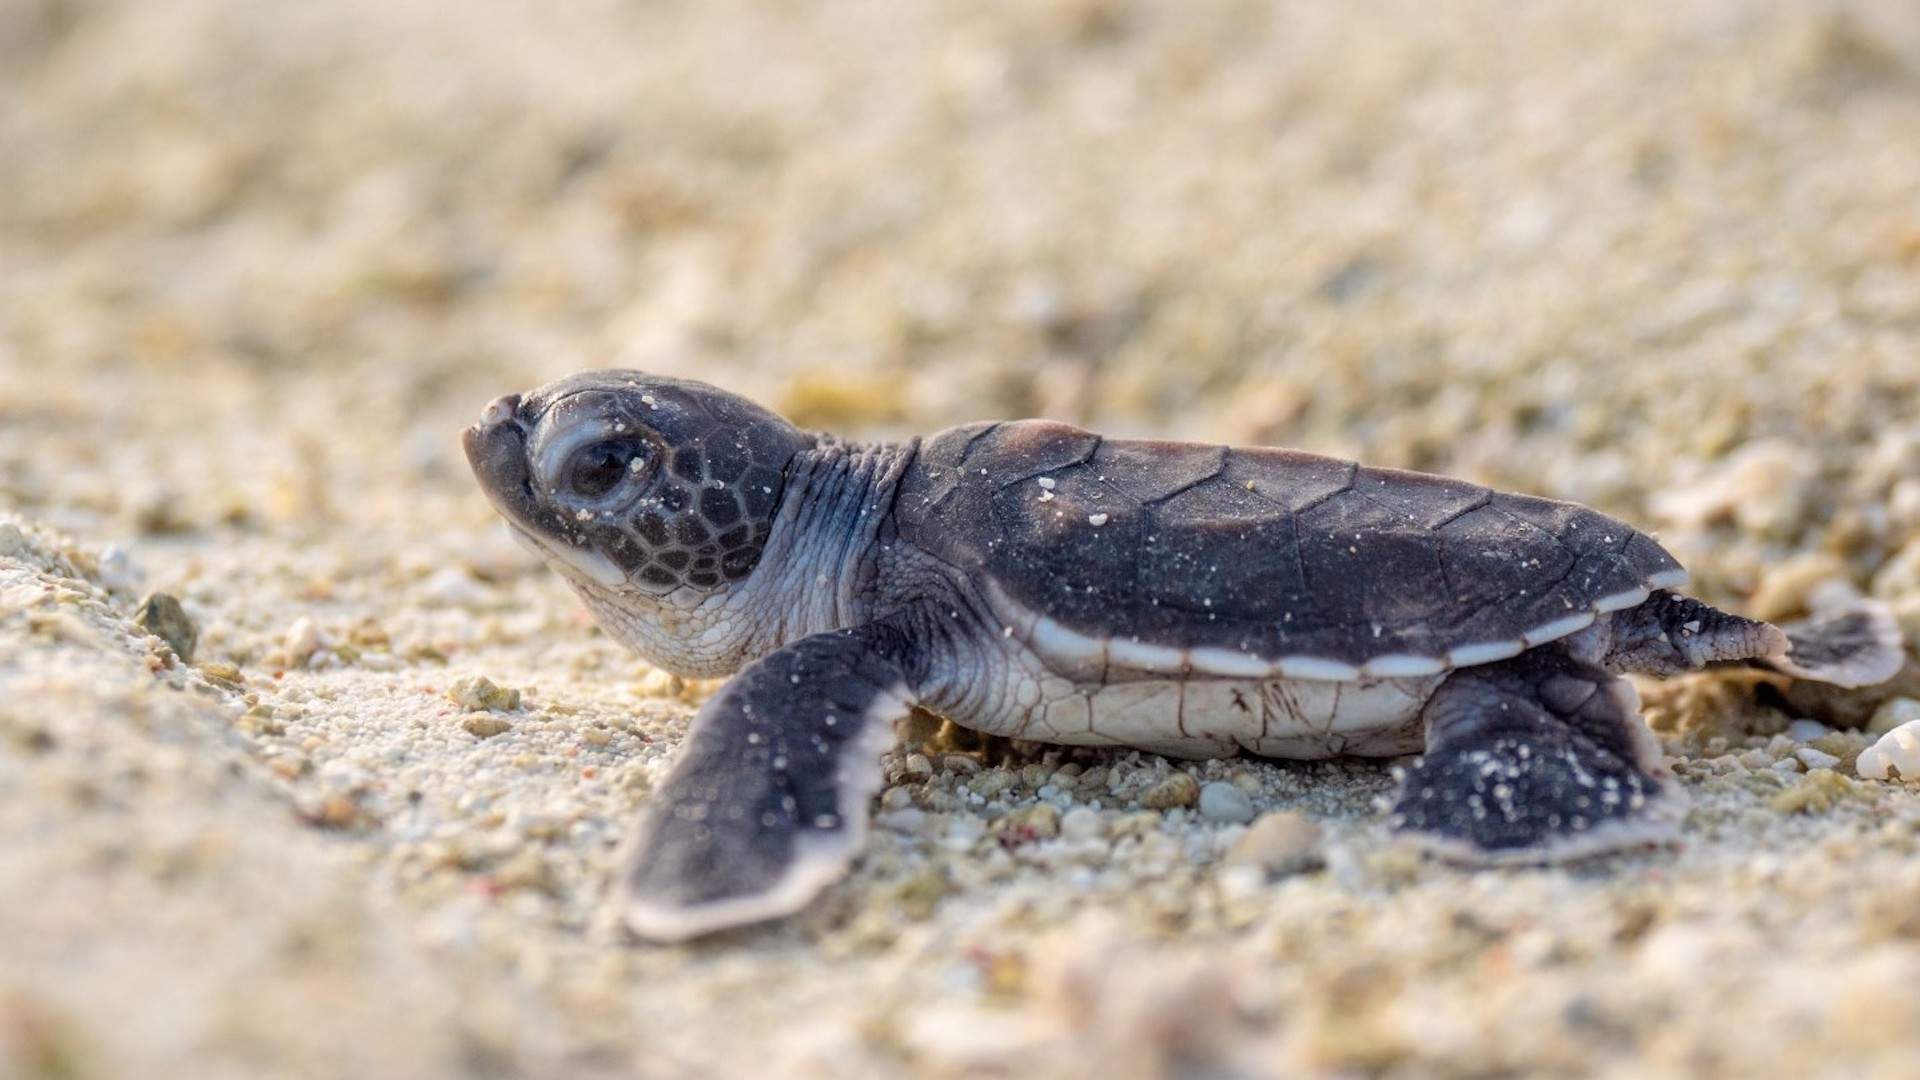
x=638, y=484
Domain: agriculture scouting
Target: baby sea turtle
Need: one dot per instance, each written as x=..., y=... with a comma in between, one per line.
x=1034, y=580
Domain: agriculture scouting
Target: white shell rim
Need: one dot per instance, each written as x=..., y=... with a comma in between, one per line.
x=1402, y=666
x=1055, y=641
x=1559, y=628
x=1676, y=578
x=1485, y=653
x=1621, y=601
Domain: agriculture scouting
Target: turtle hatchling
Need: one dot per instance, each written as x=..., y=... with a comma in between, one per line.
x=1034, y=580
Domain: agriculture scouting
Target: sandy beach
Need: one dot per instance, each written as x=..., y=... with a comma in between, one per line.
x=260, y=263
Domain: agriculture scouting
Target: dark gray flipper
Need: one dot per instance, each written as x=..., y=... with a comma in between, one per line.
x=1536, y=759
x=1855, y=644
x=768, y=801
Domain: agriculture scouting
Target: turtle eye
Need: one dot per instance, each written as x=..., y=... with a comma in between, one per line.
x=600, y=467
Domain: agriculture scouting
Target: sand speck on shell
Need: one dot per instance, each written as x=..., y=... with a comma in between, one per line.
x=357, y=812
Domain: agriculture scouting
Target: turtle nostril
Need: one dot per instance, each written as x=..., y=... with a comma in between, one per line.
x=500, y=410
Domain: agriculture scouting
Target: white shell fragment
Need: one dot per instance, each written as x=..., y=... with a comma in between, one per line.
x=1895, y=757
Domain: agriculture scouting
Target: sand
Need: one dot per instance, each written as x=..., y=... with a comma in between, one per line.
x=259, y=263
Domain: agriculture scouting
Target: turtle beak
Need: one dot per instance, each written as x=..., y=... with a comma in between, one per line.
x=497, y=450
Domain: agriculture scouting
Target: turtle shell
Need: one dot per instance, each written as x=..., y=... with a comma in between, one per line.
x=1240, y=561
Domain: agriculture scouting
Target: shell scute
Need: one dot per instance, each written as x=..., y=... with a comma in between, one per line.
x=1036, y=448
x=1493, y=557
x=1154, y=472
x=1431, y=501
x=1370, y=566
x=1289, y=479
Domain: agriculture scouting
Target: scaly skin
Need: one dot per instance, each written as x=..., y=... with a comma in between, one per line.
x=815, y=574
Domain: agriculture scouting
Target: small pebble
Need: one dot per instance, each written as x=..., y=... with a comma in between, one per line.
x=479, y=693
x=1815, y=759
x=162, y=616
x=302, y=641
x=335, y=811
x=1042, y=818
x=1893, y=713
x=991, y=783
x=1282, y=843
x=1819, y=792
x=223, y=674
x=1807, y=730
x=1178, y=789
x=959, y=763
x=1220, y=801
x=260, y=720
x=1082, y=823
x=1040, y=821
x=484, y=725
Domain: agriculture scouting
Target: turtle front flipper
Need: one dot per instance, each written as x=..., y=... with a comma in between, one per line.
x=1541, y=758
x=767, y=803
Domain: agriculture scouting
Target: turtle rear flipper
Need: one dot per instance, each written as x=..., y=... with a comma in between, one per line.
x=768, y=801
x=1542, y=758
x=1855, y=645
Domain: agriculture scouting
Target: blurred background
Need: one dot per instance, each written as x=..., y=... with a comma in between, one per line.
x=260, y=261
x=1579, y=250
